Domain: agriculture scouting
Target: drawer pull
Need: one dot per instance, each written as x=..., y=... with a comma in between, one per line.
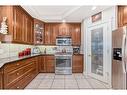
x=17, y=64
x=17, y=73
x=17, y=87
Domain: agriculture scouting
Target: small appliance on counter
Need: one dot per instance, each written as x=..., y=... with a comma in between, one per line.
x=76, y=50
x=25, y=52
x=36, y=50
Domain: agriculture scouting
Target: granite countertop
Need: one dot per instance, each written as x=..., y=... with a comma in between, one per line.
x=16, y=58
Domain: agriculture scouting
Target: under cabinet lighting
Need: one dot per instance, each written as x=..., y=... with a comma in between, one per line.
x=93, y=8
x=63, y=20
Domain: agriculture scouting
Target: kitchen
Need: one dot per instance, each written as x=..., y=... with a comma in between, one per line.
x=41, y=51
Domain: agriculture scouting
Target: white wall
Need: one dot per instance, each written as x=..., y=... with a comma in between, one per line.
x=108, y=16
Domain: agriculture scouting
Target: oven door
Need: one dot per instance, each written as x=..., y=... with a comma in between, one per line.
x=63, y=65
x=63, y=62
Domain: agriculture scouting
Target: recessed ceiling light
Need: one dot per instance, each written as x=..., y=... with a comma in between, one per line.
x=94, y=7
x=63, y=20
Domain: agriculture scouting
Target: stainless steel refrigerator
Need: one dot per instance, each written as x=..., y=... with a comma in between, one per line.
x=119, y=58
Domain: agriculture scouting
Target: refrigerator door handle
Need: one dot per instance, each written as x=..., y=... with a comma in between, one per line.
x=124, y=53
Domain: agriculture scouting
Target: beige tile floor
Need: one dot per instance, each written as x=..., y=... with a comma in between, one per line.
x=74, y=81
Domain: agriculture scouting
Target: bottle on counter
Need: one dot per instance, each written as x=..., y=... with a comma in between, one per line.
x=45, y=51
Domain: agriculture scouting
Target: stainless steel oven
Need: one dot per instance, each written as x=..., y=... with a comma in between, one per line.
x=63, y=64
x=63, y=41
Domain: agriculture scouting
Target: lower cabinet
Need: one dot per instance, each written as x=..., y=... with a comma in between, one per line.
x=19, y=77
x=41, y=64
x=46, y=64
x=1, y=78
x=50, y=63
x=77, y=63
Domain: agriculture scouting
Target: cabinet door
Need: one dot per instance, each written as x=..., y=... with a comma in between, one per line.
x=41, y=64
x=75, y=34
x=64, y=30
x=1, y=79
x=30, y=34
x=50, y=64
x=38, y=32
x=77, y=65
x=48, y=32
x=125, y=15
x=122, y=16
x=55, y=32
x=18, y=25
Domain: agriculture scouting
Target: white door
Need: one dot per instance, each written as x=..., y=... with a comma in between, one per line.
x=97, y=52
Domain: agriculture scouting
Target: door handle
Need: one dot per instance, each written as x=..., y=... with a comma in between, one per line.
x=89, y=55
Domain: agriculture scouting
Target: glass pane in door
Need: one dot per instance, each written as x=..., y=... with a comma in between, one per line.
x=97, y=51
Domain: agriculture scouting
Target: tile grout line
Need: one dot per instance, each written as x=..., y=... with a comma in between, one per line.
x=76, y=82
x=41, y=82
x=64, y=81
x=89, y=83
x=52, y=82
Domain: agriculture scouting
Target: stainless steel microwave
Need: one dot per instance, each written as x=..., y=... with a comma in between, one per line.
x=63, y=41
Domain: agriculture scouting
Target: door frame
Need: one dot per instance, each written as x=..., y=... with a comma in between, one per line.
x=109, y=46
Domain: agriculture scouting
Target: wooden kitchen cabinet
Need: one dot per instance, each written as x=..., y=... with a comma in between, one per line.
x=1, y=78
x=46, y=64
x=20, y=24
x=64, y=30
x=76, y=34
x=38, y=32
x=48, y=34
x=41, y=64
x=77, y=63
x=122, y=16
x=55, y=33
x=52, y=30
x=50, y=63
x=21, y=73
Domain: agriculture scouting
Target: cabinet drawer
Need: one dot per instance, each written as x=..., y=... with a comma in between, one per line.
x=28, y=77
x=15, y=65
x=15, y=75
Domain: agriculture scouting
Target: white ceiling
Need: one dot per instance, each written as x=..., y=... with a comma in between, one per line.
x=58, y=13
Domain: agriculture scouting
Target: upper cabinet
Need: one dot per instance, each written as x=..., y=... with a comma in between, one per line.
x=76, y=34
x=64, y=30
x=38, y=32
x=20, y=24
x=48, y=34
x=122, y=16
x=52, y=30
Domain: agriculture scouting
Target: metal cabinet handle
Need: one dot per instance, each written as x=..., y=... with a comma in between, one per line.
x=17, y=73
x=17, y=87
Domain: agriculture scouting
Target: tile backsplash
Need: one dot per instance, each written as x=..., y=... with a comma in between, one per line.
x=9, y=49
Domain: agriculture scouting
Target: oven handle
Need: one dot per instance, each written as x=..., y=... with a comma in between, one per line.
x=63, y=57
